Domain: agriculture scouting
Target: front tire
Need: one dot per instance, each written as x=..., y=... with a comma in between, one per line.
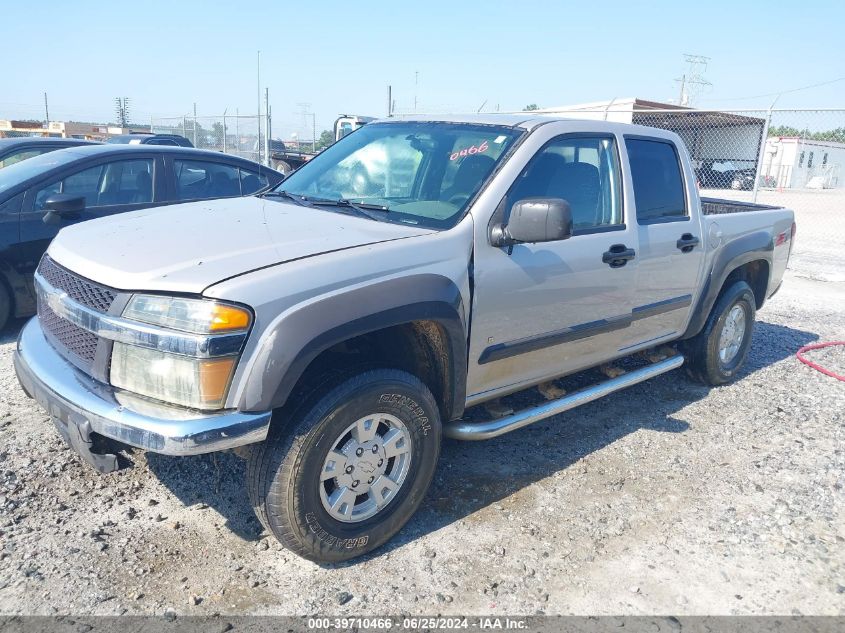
x=348, y=469
x=717, y=353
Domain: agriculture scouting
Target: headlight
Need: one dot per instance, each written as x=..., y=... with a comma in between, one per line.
x=185, y=380
x=198, y=383
x=187, y=315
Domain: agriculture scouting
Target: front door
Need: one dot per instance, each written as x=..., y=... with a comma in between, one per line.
x=111, y=186
x=544, y=310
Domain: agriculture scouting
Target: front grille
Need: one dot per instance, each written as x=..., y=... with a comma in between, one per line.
x=78, y=288
x=77, y=343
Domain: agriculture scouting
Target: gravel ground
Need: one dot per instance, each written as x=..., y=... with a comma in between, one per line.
x=666, y=498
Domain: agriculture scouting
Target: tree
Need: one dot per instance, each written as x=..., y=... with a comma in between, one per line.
x=531, y=106
x=326, y=139
x=836, y=135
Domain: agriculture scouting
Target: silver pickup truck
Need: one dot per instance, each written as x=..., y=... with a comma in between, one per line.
x=334, y=329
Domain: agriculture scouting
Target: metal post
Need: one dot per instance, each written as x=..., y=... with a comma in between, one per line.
x=258, y=86
x=185, y=127
x=761, y=155
x=195, y=124
x=267, y=127
x=389, y=100
x=224, y=130
x=313, y=132
x=237, y=130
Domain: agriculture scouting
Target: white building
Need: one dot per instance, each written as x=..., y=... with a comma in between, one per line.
x=795, y=162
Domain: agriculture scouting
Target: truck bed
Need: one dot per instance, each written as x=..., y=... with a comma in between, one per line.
x=719, y=206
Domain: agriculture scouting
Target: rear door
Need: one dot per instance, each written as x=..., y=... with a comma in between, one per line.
x=544, y=310
x=671, y=247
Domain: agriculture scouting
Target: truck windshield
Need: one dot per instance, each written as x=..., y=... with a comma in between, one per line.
x=417, y=172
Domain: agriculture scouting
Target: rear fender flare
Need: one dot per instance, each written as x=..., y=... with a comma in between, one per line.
x=743, y=250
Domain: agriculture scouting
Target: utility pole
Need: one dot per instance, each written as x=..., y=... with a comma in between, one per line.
x=267, y=127
x=195, y=123
x=389, y=100
x=46, y=112
x=693, y=81
x=305, y=112
x=258, y=82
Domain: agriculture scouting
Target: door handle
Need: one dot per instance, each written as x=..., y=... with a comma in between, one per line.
x=687, y=242
x=618, y=255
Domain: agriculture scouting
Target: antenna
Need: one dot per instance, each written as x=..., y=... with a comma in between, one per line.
x=693, y=82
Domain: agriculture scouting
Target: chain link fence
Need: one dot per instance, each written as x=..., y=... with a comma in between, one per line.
x=239, y=135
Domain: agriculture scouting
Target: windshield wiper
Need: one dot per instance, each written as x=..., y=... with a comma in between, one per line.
x=300, y=200
x=363, y=208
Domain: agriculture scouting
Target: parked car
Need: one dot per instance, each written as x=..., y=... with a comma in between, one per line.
x=743, y=179
x=332, y=330
x=42, y=195
x=148, y=138
x=724, y=175
x=14, y=150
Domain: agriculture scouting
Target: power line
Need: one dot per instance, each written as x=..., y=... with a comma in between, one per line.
x=782, y=92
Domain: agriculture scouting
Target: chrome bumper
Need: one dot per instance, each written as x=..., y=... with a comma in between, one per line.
x=80, y=403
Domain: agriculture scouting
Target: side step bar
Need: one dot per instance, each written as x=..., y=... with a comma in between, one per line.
x=462, y=430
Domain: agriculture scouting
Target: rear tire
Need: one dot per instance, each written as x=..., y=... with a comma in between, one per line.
x=5, y=305
x=717, y=353
x=309, y=482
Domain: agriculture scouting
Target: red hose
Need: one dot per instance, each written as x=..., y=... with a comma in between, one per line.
x=823, y=370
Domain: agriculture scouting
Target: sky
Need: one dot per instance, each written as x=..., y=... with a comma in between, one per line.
x=458, y=56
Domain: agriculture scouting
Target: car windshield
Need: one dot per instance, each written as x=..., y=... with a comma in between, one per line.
x=26, y=169
x=414, y=172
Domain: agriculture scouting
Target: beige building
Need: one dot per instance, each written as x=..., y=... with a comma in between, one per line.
x=59, y=129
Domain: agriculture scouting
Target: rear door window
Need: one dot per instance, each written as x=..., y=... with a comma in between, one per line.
x=657, y=180
x=252, y=181
x=203, y=180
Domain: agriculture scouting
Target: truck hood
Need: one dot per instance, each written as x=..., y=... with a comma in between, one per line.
x=189, y=247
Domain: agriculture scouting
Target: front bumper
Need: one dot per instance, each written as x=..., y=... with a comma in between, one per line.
x=81, y=405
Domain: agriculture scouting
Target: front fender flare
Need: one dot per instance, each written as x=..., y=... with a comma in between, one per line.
x=293, y=342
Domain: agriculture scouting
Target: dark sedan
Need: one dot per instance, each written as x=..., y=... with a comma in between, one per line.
x=14, y=150
x=41, y=195
x=148, y=138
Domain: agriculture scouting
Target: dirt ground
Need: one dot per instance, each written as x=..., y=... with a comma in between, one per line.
x=667, y=498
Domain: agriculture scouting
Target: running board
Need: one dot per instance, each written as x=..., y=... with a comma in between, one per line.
x=463, y=430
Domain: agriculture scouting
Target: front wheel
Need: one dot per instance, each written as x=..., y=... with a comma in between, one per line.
x=349, y=468
x=718, y=352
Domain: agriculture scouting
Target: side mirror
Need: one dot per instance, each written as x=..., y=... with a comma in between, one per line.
x=61, y=206
x=535, y=220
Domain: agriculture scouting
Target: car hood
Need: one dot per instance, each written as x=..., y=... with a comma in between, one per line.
x=189, y=247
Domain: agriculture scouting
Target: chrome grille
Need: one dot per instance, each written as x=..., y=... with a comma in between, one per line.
x=78, y=288
x=75, y=341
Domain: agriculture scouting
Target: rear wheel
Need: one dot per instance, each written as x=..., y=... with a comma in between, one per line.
x=5, y=305
x=350, y=466
x=719, y=351
x=283, y=167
